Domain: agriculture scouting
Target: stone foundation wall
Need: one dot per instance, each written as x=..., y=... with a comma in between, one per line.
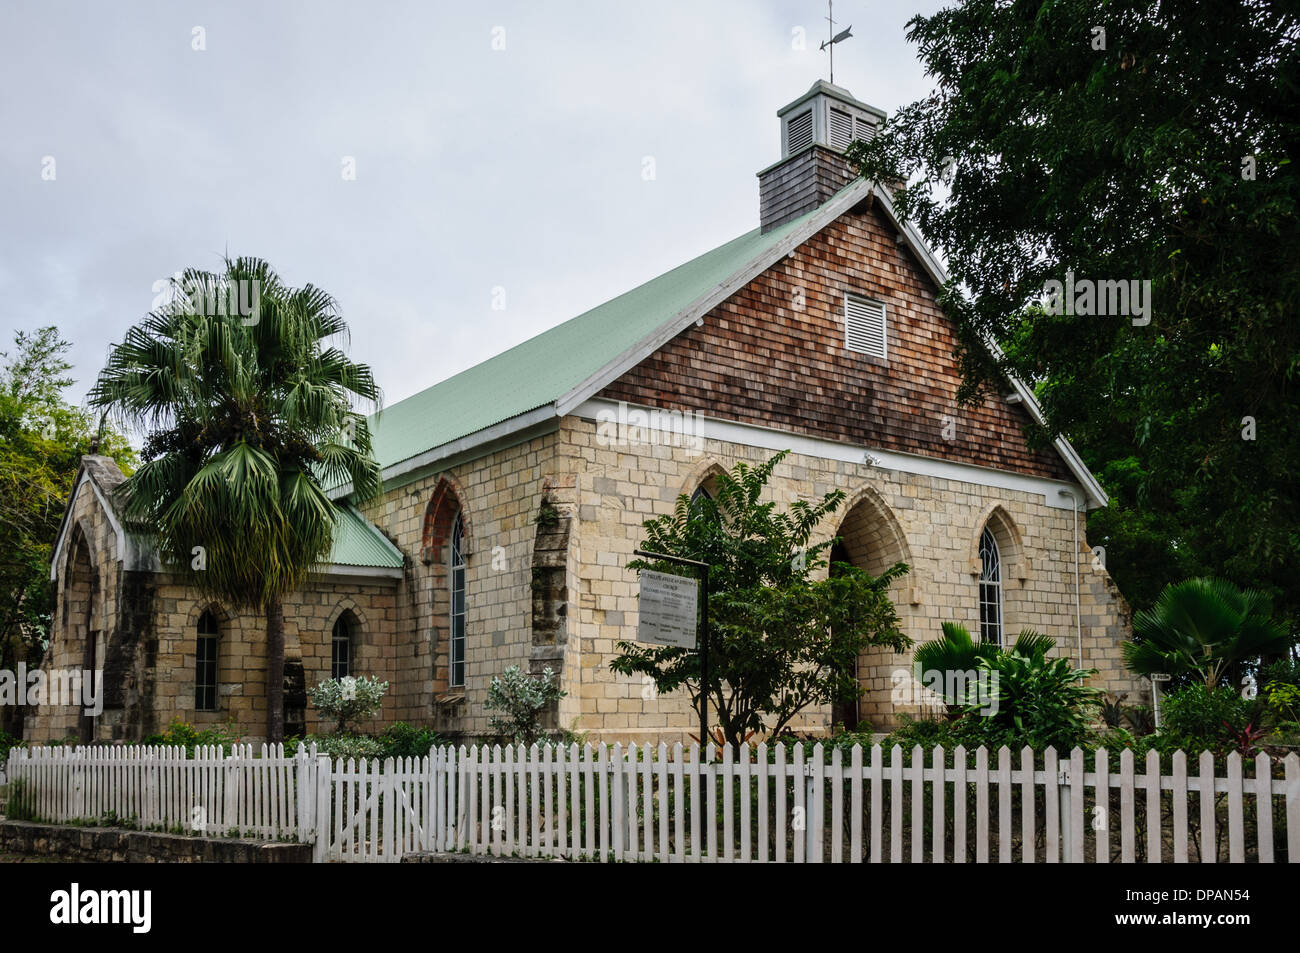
x=114, y=845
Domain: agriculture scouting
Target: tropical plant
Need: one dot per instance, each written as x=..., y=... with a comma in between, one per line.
x=1112, y=710
x=1204, y=626
x=248, y=416
x=348, y=699
x=1042, y=702
x=523, y=699
x=780, y=640
x=949, y=663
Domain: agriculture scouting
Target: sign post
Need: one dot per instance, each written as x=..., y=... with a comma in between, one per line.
x=672, y=603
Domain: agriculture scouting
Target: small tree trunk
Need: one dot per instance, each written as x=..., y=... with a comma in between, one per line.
x=274, y=671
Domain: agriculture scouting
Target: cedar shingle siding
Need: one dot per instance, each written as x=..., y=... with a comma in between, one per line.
x=759, y=360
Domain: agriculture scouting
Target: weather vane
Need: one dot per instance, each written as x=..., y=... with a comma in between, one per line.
x=834, y=37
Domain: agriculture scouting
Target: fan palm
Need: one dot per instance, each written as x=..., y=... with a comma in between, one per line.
x=248, y=418
x=957, y=651
x=1204, y=625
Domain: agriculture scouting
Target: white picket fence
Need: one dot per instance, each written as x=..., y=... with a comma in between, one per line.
x=653, y=803
x=248, y=792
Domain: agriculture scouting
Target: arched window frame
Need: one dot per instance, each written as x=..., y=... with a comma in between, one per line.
x=701, y=493
x=342, y=646
x=457, y=602
x=206, y=653
x=990, y=589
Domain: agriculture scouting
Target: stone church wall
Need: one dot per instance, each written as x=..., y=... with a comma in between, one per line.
x=931, y=523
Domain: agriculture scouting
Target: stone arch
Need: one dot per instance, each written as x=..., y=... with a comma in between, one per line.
x=1016, y=563
x=83, y=624
x=448, y=498
x=871, y=533
x=223, y=615
x=701, y=474
x=347, y=605
x=872, y=538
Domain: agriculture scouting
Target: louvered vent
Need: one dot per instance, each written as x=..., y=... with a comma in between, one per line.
x=799, y=132
x=841, y=124
x=866, y=131
x=864, y=326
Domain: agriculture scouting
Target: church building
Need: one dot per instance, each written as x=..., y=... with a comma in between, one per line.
x=515, y=492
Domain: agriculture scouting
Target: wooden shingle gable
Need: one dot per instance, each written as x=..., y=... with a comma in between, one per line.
x=774, y=354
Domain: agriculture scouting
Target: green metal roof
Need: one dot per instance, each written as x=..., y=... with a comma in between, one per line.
x=545, y=368
x=358, y=543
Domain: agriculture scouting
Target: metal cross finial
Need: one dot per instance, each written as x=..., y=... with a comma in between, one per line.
x=832, y=37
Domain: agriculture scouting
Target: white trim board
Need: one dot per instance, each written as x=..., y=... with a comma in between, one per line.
x=768, y=438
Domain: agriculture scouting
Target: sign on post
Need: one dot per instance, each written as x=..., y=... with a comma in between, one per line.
x=668, y=610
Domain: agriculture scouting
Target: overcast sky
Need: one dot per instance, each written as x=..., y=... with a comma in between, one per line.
x=522, y=168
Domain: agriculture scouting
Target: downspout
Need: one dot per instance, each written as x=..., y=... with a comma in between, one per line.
x=1078, y=614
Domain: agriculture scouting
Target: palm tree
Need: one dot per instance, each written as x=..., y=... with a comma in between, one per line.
x=1204, y=625
x=247, y=410
x=956, y=651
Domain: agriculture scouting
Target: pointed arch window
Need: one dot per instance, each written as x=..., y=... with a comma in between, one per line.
x=205, y=663
x=990, y=589
x=456, y=565
x=700, y=494
x=341, y=647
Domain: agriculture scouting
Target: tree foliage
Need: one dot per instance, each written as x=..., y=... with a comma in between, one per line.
x=1128, y=141
x=1205, y=627
x=249, y=419
x=42, y=439
x=780, y=638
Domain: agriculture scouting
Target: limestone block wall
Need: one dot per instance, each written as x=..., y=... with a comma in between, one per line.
x=931, y=523
x=87, y=590
x=500, y=493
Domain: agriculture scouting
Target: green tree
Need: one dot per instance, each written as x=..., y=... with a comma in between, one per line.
x=1204, y=626
x=42, y=439
x=780, y=639
x=247, y=407
x=1120, y=140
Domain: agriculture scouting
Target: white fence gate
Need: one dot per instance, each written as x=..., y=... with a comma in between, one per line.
x=644, y=803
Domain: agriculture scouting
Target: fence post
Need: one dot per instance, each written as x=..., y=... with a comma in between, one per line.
x=1063, y=784
x=324, y=788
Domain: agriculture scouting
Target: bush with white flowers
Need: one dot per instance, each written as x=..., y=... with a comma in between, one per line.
x=522, y=698
x=348, y=699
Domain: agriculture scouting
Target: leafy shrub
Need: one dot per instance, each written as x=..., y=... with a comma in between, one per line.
x=407, y=741
x=1036, y=701
x=1283, y=700
x=522, y=698
x=1199, y=718
x=348, y=699
x=8, y=741
x=182, y=733
x=19, y=804
x=347, y=747
x=1285, y=671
